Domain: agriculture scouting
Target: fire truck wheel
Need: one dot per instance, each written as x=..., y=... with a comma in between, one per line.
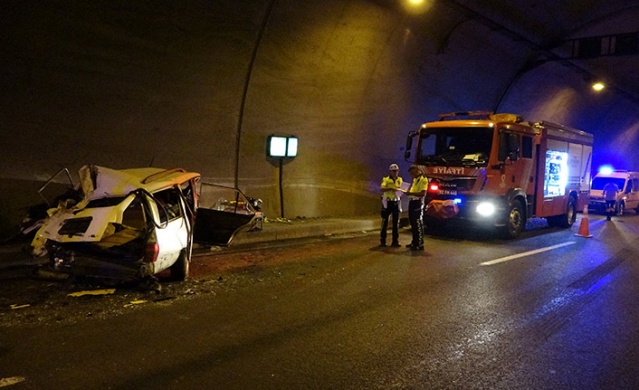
x=565, y=220
x=515, y=222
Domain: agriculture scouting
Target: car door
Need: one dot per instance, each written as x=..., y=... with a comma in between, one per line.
x=172, y=226
x=222, y=213
x=632, y=194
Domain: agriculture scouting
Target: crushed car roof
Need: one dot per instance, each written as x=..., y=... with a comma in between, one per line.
x=100, y=182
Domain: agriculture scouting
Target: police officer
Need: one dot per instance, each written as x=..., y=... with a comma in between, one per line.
x=416, y=195
x=610, y=196
x=390, y=204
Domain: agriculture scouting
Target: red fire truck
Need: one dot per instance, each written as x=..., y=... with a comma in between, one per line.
x=498, y=171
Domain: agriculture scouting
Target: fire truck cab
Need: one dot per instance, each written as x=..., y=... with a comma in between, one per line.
x=497, y=171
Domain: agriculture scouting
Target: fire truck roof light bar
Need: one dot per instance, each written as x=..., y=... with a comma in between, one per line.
x=482, y=114
x=490, y=115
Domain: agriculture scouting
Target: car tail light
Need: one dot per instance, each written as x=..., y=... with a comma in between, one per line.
x=151, y=251
x=433, y=186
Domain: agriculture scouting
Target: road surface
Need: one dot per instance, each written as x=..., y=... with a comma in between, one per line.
x=550, y=310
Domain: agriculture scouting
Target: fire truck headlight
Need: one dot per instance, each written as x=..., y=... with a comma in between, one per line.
x=486, y=209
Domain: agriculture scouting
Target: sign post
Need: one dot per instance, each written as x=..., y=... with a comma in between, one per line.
x=282, y=147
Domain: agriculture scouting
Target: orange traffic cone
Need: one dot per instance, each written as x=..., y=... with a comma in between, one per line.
x=584, y=231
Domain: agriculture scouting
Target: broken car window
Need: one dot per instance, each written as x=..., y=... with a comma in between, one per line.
x=168, y=204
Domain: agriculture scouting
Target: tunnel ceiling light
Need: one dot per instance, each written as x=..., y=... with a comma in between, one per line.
x=598, y=86
x=416, y=7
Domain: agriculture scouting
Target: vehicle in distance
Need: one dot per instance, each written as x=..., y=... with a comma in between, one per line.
x=627, y=197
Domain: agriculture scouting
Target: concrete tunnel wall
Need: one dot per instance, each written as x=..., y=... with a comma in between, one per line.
x=129, y=84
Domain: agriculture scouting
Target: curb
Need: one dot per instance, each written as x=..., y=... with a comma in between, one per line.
x=300, y=229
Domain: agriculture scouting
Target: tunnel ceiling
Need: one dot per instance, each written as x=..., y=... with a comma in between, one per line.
x=598, y=38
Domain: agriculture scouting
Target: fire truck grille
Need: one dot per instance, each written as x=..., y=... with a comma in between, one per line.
x=457, y=185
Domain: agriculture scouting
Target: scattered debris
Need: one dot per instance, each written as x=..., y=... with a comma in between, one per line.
x=11, y=380
x=106, y=291
x=281, y=220
x=136, y=302
x=15, y=307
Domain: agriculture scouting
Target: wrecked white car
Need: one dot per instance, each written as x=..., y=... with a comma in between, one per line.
x=132, y=224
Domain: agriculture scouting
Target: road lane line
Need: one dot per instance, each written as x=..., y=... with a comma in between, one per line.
x=524, y=254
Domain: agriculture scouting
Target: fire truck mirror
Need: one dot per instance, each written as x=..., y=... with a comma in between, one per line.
x=409, y=144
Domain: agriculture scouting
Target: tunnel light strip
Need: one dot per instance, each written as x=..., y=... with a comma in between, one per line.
x=524, y=254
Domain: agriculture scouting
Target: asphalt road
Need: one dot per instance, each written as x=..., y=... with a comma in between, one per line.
x=550, y=310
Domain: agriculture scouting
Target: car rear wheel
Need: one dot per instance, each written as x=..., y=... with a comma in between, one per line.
x=180, y=269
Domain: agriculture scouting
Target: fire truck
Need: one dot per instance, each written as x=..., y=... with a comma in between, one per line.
x=497, y=171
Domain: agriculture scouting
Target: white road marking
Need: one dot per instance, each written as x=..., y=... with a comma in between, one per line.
x=11, y=380
x=524, y=254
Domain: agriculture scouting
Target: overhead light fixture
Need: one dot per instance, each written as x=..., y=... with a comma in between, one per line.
x=416, y=7
x=598, y=86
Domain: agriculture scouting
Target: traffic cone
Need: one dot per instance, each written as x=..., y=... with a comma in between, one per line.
x=584, y=231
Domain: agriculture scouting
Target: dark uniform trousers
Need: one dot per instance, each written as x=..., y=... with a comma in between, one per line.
x=415, y=216
x=611, y=206
x=392, y=209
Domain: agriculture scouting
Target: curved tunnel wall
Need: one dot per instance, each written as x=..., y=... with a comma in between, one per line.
x=127, y=84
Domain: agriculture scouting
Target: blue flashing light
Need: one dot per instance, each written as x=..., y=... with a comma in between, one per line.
x=606, y=169
x=457, y=200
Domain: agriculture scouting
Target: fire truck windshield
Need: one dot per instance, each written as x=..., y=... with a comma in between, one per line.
x=468, y=146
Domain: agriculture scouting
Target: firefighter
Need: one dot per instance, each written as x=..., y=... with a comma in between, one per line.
x=610, y=196
x=390, y=187
x=416, y=195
